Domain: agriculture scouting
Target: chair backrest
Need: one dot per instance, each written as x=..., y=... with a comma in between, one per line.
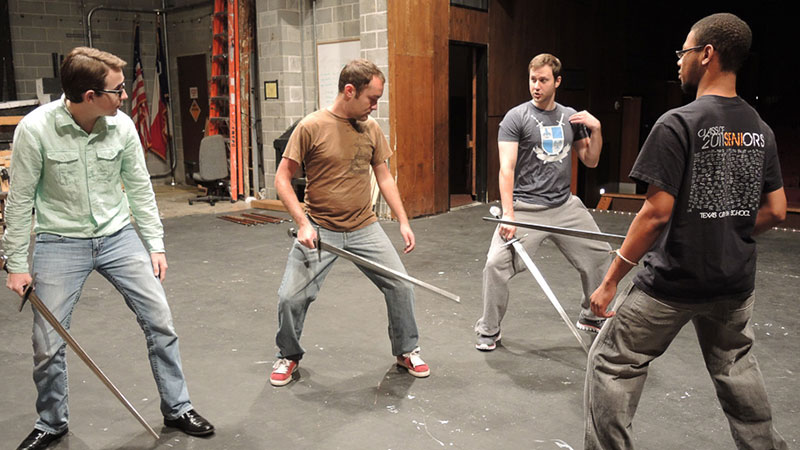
x=213, y=160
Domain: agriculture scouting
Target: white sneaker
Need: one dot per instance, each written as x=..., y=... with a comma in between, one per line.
x=487, y=343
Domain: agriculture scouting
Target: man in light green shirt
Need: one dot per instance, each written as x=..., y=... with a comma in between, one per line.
x=78, y=162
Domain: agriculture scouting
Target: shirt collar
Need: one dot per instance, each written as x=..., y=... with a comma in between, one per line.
x=64, y=118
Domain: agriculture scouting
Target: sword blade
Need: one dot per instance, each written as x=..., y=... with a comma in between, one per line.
x=616, y=239
x=547, y=291
x=381, y=269
x=73, y=344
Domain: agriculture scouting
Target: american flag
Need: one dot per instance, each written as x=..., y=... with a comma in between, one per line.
x=159, y=128
x=139, y=111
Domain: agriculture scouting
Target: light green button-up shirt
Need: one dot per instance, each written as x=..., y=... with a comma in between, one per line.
x=75, y=181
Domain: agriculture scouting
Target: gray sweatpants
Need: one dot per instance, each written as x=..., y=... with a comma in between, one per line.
x=640, y=332
x=590, y=258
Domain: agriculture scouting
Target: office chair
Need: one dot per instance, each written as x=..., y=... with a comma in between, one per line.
x=213, y=165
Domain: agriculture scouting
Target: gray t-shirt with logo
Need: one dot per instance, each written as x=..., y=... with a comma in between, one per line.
x=544, y=164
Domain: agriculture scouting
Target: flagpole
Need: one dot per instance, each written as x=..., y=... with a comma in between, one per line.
x=173, y=152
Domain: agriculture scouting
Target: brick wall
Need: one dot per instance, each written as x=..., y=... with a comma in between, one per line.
x=42, y=27
x=375, y=47
x=286, y=53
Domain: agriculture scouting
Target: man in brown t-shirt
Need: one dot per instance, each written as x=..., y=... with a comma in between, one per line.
x=338, y=145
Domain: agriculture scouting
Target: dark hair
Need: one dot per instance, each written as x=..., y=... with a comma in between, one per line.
x=729, y=35
x=359, y=73
x=84, y=69
x=546, y=59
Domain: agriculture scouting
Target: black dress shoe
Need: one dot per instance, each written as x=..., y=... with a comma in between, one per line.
x=39, y=439
x=191, y=423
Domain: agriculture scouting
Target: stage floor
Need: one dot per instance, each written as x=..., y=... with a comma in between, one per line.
x=222, y=284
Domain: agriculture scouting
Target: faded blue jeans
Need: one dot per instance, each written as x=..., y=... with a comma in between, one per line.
x=60, y=267
x=641, y=331
x=305, y=273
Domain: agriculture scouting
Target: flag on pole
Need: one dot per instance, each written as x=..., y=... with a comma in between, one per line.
x=159, y=128
x=139, y=111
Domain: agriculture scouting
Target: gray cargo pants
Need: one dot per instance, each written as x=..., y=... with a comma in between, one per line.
x=641, y=331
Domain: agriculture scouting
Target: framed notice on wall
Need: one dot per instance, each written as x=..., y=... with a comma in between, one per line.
x=331, y=57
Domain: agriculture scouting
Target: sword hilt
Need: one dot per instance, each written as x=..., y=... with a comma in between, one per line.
x=28, y=288
x=293, y=233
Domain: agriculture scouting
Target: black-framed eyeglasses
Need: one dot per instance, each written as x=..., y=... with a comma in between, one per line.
x=119, y=91
x=680, y=53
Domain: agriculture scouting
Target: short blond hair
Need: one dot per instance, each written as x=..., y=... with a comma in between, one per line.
x=546, y=59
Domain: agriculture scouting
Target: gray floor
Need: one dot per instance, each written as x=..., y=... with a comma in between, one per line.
x=527, y=394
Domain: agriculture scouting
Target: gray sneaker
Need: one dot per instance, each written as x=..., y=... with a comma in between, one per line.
x=590, y=325
x=487, y=343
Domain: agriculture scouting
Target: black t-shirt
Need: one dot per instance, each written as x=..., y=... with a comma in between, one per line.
x=716, y=157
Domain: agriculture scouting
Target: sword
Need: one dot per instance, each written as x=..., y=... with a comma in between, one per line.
x=73, y=344
x=593, y=235
x=520, y=250
x=378, y=268
x=515, y=243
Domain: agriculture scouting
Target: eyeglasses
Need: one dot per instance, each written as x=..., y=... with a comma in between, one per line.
x=680, y=53
x=119, y=91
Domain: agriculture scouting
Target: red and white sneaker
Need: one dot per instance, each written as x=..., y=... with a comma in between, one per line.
x=282, y=372
x=415, y=365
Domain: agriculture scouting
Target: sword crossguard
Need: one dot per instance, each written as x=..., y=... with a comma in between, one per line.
x=514, y=240
x=28, y=290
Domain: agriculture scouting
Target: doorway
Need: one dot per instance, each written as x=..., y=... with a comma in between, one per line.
x=193, y=95
x=467, y=123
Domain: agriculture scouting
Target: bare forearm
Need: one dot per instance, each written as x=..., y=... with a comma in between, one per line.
x=640, y=238
x=289, y=200
x=391, y=194
x=642, y=234
x=592, y=155
x=771, y=212
x=506, y=183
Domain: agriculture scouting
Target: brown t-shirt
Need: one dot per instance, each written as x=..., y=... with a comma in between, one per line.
x=337, y=154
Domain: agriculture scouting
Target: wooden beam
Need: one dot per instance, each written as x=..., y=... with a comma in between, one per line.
x=418, y=103
x=10, y=120
x=469, y=25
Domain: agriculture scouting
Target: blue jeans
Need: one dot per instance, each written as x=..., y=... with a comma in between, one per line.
x=641, y=331
x=60, y=267
x=305, y=273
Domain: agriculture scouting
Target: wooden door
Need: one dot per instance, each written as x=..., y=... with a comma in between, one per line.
x=193, y=94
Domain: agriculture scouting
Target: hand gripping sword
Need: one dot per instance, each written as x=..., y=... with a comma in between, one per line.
x=73, y=344
x=520, y=250
x=378, y=268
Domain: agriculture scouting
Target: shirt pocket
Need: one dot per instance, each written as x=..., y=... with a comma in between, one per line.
x=65, y=166
x=109, y=163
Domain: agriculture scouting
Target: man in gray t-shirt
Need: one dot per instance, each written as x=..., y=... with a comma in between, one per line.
x=544, y=139
x=535, y=142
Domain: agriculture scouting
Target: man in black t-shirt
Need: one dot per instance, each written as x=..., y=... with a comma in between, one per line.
x=714, y=182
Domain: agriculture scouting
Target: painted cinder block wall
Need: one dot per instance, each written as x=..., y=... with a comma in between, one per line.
x=42, y=27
